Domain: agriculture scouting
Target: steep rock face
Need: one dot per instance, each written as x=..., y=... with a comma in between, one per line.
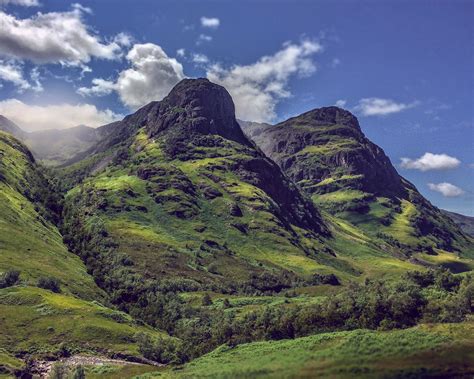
x=326, y=153
x=185, y=194
x=197, y=106
x=343, y=151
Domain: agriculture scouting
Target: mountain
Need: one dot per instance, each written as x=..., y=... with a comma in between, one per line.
x=175, y=237
x=182, y=193
x=9, y=126
x=466, y=223
x=326, y=153
x=54, y=147
x=47, y=296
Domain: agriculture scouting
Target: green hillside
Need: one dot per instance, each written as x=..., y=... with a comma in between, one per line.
x=325, y=152
x=422, y=351
x=35, y=320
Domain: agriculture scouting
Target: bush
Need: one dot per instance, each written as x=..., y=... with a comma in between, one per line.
x=49, y=283
x=206, y=300
x=9, y=278
x=162, y=350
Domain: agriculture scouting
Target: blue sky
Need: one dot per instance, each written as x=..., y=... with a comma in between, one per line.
x=405, y=68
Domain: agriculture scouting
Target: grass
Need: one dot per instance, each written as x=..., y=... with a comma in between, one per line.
x=38, y=321
x=439, y=350
x=28, y=242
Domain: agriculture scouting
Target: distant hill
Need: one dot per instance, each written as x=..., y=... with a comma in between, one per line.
x=466, y=223
x=54, y=147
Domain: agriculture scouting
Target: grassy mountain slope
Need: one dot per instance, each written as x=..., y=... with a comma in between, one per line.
x=188, y=196
x=34, y=320
x=434, y=350
x=325, y=152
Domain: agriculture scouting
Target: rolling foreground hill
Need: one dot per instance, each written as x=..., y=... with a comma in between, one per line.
x=174, y=223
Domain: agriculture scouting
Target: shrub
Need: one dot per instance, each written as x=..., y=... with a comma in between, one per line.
x=206, y=300
x=49, y=283
x=161, y=350
x=9, y=278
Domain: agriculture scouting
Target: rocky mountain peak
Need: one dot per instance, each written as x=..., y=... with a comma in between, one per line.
x=327, y=116
x=198, y=106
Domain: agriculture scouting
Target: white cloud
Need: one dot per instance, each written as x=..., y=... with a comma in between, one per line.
x=24, y=3
x=100, y=87
x=257, y=88
x=61, y=116
x=200, y=58
x=446, y=189
x=151, y=76
x=430, y=161
x=341, y=103
x=203, y=38
x=181, y=52
x=210, y=22
x=55, y=37
x=13, y=72
x=374, y=106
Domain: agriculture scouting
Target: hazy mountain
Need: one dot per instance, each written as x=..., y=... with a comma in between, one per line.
x=466, y=223
x=54, y=147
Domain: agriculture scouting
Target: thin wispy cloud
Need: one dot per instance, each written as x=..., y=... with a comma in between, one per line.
x=12, y=72
x=430, y=161
x=23, y=3
x=375, y=106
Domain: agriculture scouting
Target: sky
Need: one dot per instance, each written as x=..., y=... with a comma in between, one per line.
x=404, y=68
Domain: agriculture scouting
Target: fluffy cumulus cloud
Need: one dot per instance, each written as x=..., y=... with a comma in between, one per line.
x=257, y=88
x=430, y=161
x=341, y=103
x=446, y=189
x=210, y=22
x=55, y=37
x=61, y=116
x=375, y=106
x=151, y=76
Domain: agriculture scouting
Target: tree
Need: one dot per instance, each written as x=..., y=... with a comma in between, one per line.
x=9, y=278
x=206, y=300
x=49, y=283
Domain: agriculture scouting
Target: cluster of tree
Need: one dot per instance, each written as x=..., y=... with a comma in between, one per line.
x=432, y=296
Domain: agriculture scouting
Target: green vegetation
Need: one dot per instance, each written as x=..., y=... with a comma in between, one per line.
x=180, y=243
x=438, y=350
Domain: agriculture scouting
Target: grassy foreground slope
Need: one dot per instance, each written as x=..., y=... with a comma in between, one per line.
x=429, y=350
x=36, y=321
